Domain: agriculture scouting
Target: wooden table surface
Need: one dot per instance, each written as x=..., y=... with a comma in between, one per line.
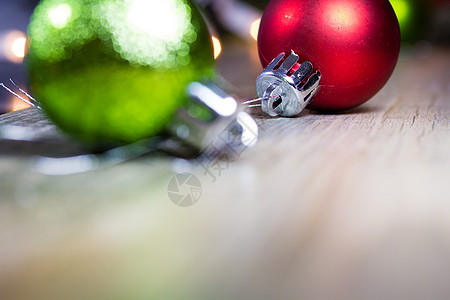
x=338, y=206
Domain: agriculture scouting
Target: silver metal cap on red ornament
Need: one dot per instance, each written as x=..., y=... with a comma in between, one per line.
x=283, y=91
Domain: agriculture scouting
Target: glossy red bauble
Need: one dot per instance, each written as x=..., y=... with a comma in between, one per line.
x=354, y=44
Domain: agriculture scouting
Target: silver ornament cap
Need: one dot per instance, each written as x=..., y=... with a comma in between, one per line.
x=213, y=118
x=283, y=94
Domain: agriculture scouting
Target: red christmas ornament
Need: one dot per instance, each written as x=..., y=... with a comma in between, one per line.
x=354, y=44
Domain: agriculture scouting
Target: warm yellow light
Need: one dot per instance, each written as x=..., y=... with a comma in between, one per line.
x=17, y=104
x=254, y=29
x=12, y=46
x=18, y=47
x=217, y=47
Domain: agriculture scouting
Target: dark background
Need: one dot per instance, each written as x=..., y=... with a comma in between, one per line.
x=14, y=15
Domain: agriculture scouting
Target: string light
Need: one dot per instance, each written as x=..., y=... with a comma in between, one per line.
x=217, y=47
x=16, y=104
x=12, y=46
x=254, y=29
x=18, y=47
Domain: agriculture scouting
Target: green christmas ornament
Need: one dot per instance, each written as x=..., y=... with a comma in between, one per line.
x=116, y=71
x=414, y=17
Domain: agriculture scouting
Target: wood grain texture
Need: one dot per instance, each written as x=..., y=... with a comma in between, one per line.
x=338, y=206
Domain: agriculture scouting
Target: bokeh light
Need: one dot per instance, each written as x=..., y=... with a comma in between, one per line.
x=254, y=29
x=217, y=47
x=12, y=46
x=18, y=47
x=17, y=104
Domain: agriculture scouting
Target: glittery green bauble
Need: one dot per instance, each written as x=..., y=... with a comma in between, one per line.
x=115, y=71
